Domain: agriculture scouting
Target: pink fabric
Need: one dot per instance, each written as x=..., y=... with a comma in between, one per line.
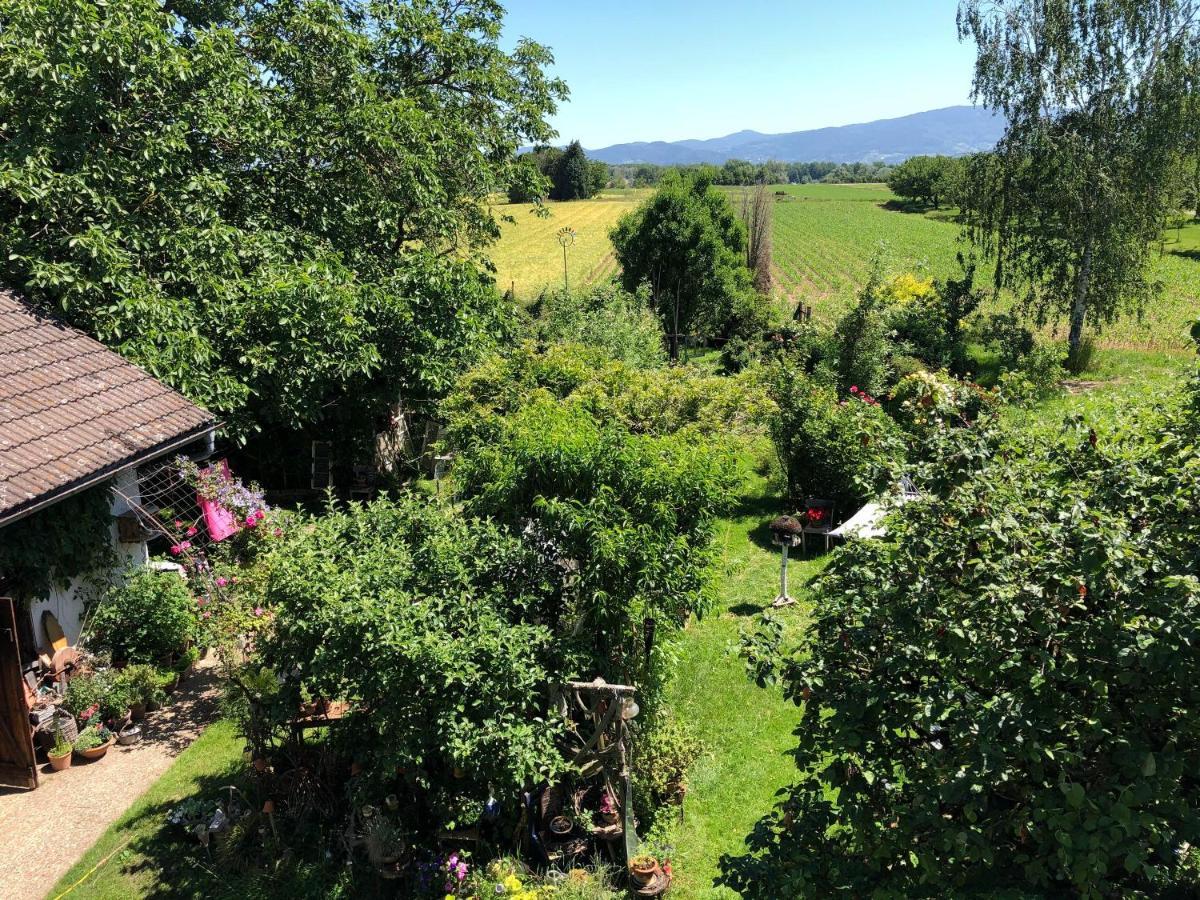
x=219, y=521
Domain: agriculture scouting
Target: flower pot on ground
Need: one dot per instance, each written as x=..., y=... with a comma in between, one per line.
x=60, y=754
x=643, y=870
x=93, y=742
x=130, y=734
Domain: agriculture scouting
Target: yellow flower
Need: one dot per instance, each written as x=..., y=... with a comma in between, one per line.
x=513, y=884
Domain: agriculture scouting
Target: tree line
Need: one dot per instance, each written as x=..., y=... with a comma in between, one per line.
x=740, y=172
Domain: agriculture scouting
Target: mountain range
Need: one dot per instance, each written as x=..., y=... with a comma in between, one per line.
x=953, y=131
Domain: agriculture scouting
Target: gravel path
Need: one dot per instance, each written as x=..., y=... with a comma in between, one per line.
x=43, y=832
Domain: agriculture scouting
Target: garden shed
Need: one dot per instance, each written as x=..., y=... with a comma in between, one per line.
x=81, y=432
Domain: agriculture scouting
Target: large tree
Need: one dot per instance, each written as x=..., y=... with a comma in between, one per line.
x=1094, y=95
x=272, y=206
x=687, y=243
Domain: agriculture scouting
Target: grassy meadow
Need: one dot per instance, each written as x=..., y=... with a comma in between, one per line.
x=825, y=237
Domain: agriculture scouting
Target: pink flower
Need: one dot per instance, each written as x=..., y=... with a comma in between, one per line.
x=258, y=611
x=278, y=532
x=191, y=532
x=854, y=389
x=221, y=582
x=178, y=524
x=251, y=521
x=176, y=549
x=185, y=545
x=207, y=614
x=259, y=515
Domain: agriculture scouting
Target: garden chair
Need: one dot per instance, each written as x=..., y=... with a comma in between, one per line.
x=818, y=520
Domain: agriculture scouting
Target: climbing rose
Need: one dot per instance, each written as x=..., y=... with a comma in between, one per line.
x=176, y=549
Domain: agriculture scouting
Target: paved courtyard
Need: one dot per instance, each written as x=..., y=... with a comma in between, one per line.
x=43, y=832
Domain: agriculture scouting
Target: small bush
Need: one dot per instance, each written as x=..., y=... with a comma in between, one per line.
x=664, y=752
x=149, y=616
x=861, y=345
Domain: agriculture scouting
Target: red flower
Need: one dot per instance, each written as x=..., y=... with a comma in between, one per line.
x=815, y=514
x=192, y=530
x=176, y=549
x=854, y=389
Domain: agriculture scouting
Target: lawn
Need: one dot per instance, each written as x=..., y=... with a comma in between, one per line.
x=747, y=731
x=134, y=857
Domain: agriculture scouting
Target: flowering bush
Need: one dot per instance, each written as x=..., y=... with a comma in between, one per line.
x=848, y=451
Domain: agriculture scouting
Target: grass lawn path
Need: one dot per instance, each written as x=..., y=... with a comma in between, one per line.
x=747, y=731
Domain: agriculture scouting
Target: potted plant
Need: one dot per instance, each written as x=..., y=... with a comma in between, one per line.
x=561, y=826
x=144, y=686
x=609, y=814
x=93, y=742
x=60, y=754
x=644, y=869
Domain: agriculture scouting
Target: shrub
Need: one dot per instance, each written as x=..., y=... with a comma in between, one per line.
x=930, y=400
x=104, y=692
x=664, y=752
x=846, y=451
x=644, y=401
x=1035, y=377
x=144, y=683
x=633, y=513
x=419, y=616
x=860, y=343
x=1002, y=695
x=1011, y=339
x=150, y=615
x=926, y=319
x=619, y=324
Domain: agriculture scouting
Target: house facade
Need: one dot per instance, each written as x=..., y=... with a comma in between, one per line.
x=77, y=417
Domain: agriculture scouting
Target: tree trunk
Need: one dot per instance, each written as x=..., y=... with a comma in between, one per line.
x=1079, y=307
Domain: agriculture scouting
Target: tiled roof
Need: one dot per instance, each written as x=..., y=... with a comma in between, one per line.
x=72, y=411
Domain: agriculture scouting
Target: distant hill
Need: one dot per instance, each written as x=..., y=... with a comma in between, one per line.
x=952, y=131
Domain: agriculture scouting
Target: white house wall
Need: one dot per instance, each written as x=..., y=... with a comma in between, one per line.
x=67, y=601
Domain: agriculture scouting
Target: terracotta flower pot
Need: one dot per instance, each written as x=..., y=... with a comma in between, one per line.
x=644, y=870
x=96, y=752
x=58, y=763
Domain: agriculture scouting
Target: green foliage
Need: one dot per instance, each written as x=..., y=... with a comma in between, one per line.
x=1077, y=192
x=607, y=318
x=66, y=539
x=643, y=401
x=427, y=620
x=632, y=513
x=266, y=205
x=688, y=245
x=860, y=343
x=572, y=178
x=927, y=179
x=1000, y=695
x=144, y=683
x=665, y=751
x=847, y=451
x=931, y=325
x=148, y=616
x=104, y=690
x=92, y=737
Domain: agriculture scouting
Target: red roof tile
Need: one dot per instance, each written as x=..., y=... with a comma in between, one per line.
x=71, y=410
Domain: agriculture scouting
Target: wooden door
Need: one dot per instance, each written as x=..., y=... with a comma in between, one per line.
x=18, y=767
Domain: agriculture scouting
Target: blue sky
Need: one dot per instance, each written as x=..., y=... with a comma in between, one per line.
x=673, y=69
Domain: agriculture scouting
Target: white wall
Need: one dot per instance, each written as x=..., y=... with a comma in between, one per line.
x=67, y=601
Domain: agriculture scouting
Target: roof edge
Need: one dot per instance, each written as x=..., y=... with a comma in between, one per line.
x=41, y=502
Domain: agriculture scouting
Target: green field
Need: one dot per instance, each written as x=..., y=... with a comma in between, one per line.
x=825, y=237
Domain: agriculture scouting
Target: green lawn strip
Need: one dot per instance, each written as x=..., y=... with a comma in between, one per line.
x=135, y=857
x=747, y=731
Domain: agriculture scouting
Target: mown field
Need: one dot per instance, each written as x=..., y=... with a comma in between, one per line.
x=528, y=256
x=825, y=238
